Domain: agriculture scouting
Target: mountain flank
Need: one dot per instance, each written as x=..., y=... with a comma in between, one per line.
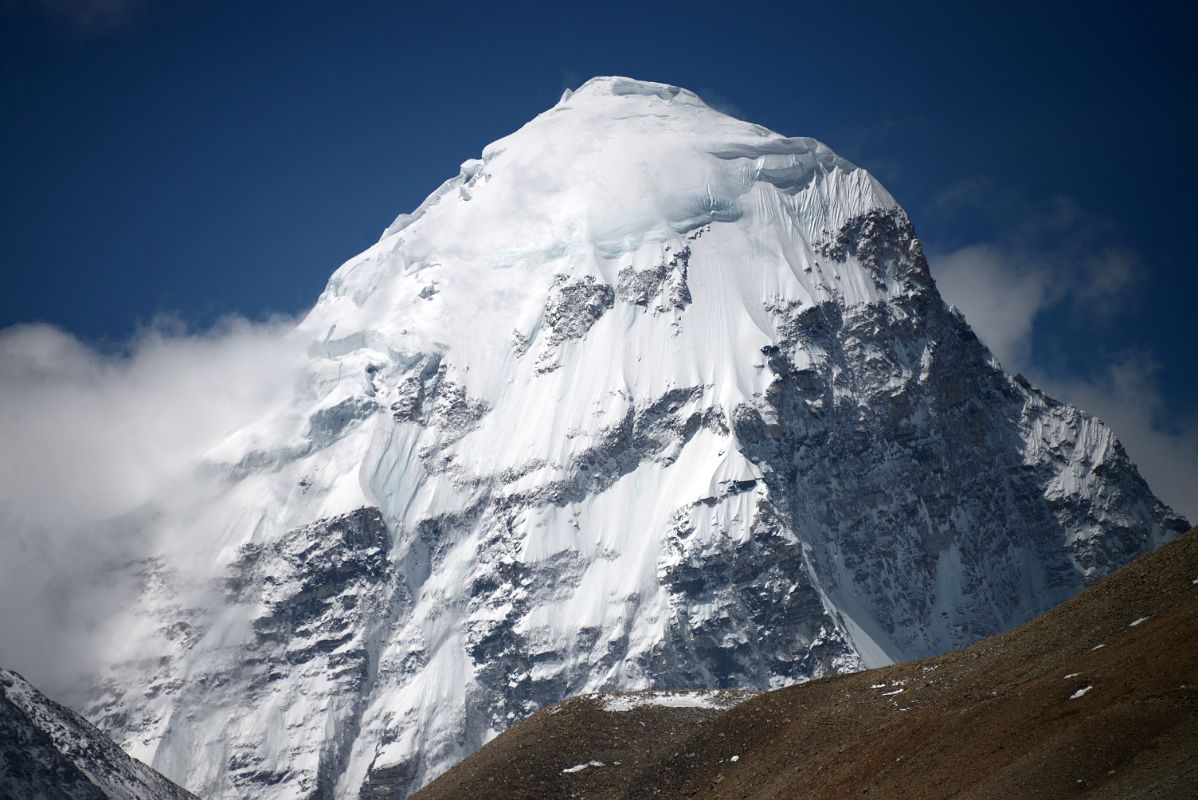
x=48, y=752
x=1096, y=698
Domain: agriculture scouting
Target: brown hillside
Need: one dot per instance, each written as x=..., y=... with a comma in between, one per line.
x=1005, y=718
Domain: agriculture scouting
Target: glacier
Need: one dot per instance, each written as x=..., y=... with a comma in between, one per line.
x=645, y=397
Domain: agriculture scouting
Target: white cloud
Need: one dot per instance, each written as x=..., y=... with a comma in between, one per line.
x=89, y=437
x=999, y=298
x=1002, y=291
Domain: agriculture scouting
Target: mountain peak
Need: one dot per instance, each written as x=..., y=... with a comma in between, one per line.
x=644, y=396
x=615, y=176
x=618, y=86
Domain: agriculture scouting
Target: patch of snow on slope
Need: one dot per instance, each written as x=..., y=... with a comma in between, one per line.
x=697, y=699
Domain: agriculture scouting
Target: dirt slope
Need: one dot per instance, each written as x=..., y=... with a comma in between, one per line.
x=1096, y=698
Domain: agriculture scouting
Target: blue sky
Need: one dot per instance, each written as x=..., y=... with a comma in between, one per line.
x=207, y=159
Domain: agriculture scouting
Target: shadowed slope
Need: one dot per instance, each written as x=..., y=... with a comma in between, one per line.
x=1098, y=697
x=49, y=752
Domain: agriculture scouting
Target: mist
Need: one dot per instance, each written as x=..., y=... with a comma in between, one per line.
x=96, y=444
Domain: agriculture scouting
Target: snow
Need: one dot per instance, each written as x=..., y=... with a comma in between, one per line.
x=734, y=759
x=68, y=738
x=567, y=478
x=698, y=699
x=1072, y=675
x=868, y=640
x=891, y=694
x=1136, y=622
x=1080, y=692
x=581, y=767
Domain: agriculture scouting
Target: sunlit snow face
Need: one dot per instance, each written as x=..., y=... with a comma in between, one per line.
x=617, y=174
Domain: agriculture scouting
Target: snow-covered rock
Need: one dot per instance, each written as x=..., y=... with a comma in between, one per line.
x=48, y=752
x=645, y=397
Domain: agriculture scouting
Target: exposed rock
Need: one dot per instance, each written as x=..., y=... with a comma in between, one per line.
x=574, y=306
x=48, y=751
x=664, y=283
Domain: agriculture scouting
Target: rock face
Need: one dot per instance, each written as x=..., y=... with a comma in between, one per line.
x=646, y=397
x=48, y=751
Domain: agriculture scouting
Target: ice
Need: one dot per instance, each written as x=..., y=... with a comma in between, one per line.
x=1080, y=692
x=1136, y=622
x=1072, y=675
x=581, y=767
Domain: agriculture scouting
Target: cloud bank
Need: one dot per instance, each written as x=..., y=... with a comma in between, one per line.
x=90, y=438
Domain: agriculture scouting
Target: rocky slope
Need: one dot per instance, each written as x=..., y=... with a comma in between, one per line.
x=48, y=752
x=644, y=397
x=1097, y=698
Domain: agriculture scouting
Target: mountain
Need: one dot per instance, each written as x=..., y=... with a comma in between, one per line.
x=646, y=396
x=48, y=752
x=1098, y=697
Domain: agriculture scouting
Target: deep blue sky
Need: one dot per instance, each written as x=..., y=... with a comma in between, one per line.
x=213, y=158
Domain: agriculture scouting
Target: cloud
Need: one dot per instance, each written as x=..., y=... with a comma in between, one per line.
x=1000, y=297
x=1003, y=290
x=90, y=438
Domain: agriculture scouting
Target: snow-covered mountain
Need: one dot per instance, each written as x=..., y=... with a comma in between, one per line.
x=646, y=396
x=48, y=752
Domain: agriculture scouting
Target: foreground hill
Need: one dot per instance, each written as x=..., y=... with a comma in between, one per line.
x=48, y=752
x=1098, y=697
